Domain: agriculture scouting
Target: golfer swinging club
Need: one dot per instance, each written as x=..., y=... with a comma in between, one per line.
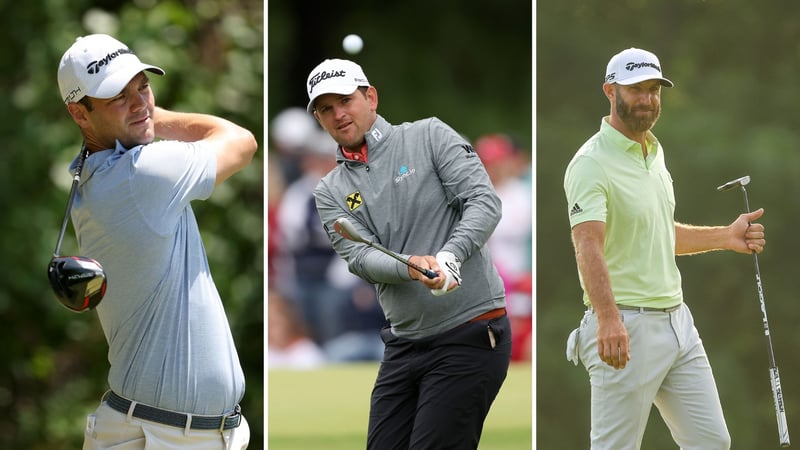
x=175, y=376
x=637, y=338
x=420, y=190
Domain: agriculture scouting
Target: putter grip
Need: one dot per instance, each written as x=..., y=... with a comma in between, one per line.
x=780, y=412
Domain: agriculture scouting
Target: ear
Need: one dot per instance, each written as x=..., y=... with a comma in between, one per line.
x=79, y=114
x=609, y=90
x=372, y=98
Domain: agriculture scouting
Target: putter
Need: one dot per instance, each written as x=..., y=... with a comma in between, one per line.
x=78, y=282
x=777, y=392
x=348, y=231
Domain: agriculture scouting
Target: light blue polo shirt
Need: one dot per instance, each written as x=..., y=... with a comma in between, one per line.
x=170, y=345
x=609, y=180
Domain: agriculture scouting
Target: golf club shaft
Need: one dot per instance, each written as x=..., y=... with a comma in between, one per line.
x=775, y=380
x=427, y=272
x=75, y=180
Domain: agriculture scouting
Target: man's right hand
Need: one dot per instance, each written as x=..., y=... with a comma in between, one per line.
x=612, y=342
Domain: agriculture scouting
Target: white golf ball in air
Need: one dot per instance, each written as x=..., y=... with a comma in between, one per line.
x=352, y=44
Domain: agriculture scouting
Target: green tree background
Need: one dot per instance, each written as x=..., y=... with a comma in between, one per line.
x=732, y=113
x=55, y=363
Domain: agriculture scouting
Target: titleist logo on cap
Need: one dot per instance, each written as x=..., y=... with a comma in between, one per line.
x=95, y=66
x=322, y=76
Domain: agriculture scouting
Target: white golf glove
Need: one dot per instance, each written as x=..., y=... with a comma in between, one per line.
x=451, y=266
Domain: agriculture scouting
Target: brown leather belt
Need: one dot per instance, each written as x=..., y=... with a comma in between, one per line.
x=493, y=314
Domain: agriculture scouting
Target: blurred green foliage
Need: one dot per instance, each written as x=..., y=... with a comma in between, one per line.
x=55, y=365
x=731, y=113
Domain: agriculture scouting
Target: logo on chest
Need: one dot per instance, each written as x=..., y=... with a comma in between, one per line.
x=403, y=173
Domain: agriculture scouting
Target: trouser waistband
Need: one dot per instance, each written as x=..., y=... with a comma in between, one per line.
x=649, y=309
x=172, y=418
x=488, y=315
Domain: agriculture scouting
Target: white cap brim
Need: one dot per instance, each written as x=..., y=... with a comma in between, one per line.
x=344, y=89
x=640, y=78
x=114, y=83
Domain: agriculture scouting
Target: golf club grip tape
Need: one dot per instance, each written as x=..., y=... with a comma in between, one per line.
x=780, y=412
x=427, y=272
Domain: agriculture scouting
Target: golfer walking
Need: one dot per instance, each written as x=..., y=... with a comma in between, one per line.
x=175, y=376
x=637, y=338
x=420, y=190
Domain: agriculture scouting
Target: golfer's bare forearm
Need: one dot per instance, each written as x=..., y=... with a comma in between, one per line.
x=588, y=239
x=191, y=127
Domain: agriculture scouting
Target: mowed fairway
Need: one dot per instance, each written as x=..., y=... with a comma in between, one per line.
x=327, y=409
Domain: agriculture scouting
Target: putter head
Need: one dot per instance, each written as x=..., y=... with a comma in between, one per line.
x=78, y=282
x=743, y=181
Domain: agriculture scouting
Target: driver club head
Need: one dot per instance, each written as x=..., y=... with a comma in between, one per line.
x=78, y=282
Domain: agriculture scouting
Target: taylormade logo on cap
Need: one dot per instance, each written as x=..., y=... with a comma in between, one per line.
x=94, y=66
x=633, y=66
x=98, y=66
x=334, y=76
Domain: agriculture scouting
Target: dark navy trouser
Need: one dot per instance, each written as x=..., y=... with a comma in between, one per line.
x=434, y=393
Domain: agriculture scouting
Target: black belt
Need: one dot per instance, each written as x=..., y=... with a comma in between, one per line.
x=175, y=419
x=649, y=309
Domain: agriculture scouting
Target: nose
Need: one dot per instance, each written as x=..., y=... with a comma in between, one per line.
x=138, y=101
x=338, y=111
x=651, y=96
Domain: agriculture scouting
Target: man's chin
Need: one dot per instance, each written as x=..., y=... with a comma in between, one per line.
x=141, y=140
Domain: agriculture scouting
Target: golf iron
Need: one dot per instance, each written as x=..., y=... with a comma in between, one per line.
x=348, y=231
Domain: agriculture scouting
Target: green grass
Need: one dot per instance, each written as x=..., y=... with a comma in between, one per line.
x=328, y=408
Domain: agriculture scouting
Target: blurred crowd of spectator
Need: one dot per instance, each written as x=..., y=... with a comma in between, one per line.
x=318, y=312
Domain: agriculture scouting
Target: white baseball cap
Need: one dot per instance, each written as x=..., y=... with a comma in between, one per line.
x=634, y=65
x=98, y=66
x=334, y=76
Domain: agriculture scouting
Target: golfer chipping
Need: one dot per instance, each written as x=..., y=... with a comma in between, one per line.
x=777, y=393
x=419, y=190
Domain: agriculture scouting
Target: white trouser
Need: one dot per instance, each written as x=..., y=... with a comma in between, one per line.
x=107, y=428
x=668, y=368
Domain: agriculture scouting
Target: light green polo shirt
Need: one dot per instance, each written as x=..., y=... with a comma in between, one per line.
x=609, y=180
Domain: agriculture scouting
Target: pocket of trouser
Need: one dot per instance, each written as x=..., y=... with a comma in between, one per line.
x=572, y=346
x=91, y=421
x=498, y=332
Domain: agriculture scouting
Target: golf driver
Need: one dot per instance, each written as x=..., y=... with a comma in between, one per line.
x=347, y=231
x=777, y=393
x=78, y=282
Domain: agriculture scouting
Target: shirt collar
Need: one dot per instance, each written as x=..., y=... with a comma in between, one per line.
x=623, y=141
x=373, y=139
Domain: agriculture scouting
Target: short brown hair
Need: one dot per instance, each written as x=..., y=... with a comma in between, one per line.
x=87, y=102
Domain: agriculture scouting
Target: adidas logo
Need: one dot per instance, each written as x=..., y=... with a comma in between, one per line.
x=576, y=209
